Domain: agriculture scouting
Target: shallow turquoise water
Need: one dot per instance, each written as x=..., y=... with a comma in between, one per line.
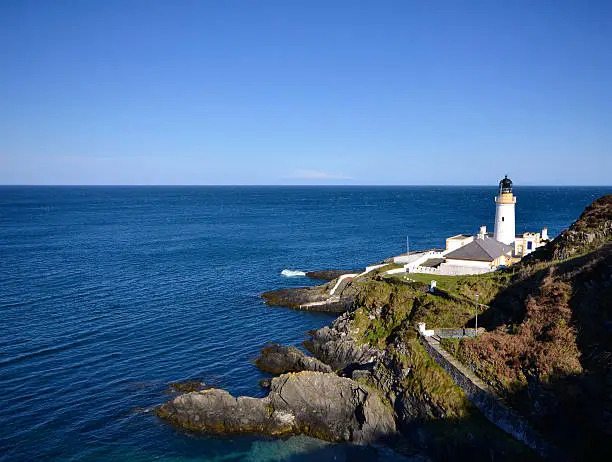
x=108, y=294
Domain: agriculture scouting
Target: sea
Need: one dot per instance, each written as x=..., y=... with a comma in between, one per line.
x=109, y=294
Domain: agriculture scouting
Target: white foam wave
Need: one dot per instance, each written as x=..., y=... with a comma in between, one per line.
x=292, y=273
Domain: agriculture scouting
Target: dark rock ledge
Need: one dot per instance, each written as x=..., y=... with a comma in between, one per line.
x=317, y=404
x=279, y=359
x=328, y=275
x=316, y=298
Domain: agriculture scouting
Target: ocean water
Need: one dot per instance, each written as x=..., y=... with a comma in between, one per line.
x=107, y=294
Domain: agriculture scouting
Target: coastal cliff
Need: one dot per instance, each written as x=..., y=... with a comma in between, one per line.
x=547, y=347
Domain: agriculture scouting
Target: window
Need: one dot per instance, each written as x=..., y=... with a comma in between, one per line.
x=529, y=245
x=502, y=218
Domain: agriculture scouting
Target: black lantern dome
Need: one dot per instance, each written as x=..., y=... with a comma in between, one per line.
x=505, y=185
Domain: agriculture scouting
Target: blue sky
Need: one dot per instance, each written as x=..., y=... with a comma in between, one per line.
x=305, y=92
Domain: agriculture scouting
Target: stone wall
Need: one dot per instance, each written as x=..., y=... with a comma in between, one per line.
x=492, y=407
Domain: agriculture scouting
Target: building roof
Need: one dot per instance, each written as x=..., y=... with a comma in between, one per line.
x=461, y=236
x=487, y=249
x=433, y=262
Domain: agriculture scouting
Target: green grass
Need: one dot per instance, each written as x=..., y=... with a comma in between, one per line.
x=464, y=288
x=443, y=282
x=387, y=306
x=430, y=383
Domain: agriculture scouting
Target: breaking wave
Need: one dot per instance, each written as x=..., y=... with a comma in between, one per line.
x=292, y=273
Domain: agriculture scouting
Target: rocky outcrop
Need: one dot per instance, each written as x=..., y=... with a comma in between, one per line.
x=317, y=404
x=279, y=359
x=329, y=275
x=295, y=297
x=336, y=346
x=312, y=298
x=592, y=229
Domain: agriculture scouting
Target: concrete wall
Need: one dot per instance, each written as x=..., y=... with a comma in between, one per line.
x=371, y=268
x=423, y=270
x=408, y=258
x=419, y=259
x=446, y=269
x=453, y=243
x=469, y=263
x=396, y=271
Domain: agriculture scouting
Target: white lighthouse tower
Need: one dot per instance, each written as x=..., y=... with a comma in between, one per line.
x=504, y=213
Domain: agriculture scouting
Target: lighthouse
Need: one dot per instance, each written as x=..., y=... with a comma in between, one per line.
x=504, y=213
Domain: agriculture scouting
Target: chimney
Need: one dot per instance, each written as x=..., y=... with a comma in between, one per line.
x=482, y=233
x=544, y=234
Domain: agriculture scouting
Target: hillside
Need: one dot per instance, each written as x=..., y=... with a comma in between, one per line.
x=549, y=352
x=592, y=230
x=547, y=349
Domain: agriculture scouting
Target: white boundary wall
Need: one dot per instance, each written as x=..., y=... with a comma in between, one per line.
x=413, y=264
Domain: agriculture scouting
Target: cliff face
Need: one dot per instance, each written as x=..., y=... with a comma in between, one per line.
x=550, y=353
x=376, y=344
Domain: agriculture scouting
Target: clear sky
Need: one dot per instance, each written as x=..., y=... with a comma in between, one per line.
x=305, y=92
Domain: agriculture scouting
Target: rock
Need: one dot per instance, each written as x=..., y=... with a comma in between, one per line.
x=317, y=404
x=592, y=229
x=295, y=297
x=328, y=275
x=216, y=411
x=316, y=298
x=186, y=386
x=279, y=359
x=309, y=299
x=265, y=383
x=335, y=346
x=361, y=374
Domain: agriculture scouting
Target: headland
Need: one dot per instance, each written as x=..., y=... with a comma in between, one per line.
x=404, y=362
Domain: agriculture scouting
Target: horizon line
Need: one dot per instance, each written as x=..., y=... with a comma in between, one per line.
x=272, y=185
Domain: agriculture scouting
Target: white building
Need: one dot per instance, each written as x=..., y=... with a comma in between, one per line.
x=504, y=213
x=483, y=252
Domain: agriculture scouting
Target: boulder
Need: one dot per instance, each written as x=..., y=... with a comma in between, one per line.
x=316, y=404
x=265, y=383
x=279, y=359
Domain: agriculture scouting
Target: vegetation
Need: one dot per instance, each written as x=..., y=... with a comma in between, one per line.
x=387, y=313
x=429, y=382
x=386, y=305
x=465, y=288
x=548, y=348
